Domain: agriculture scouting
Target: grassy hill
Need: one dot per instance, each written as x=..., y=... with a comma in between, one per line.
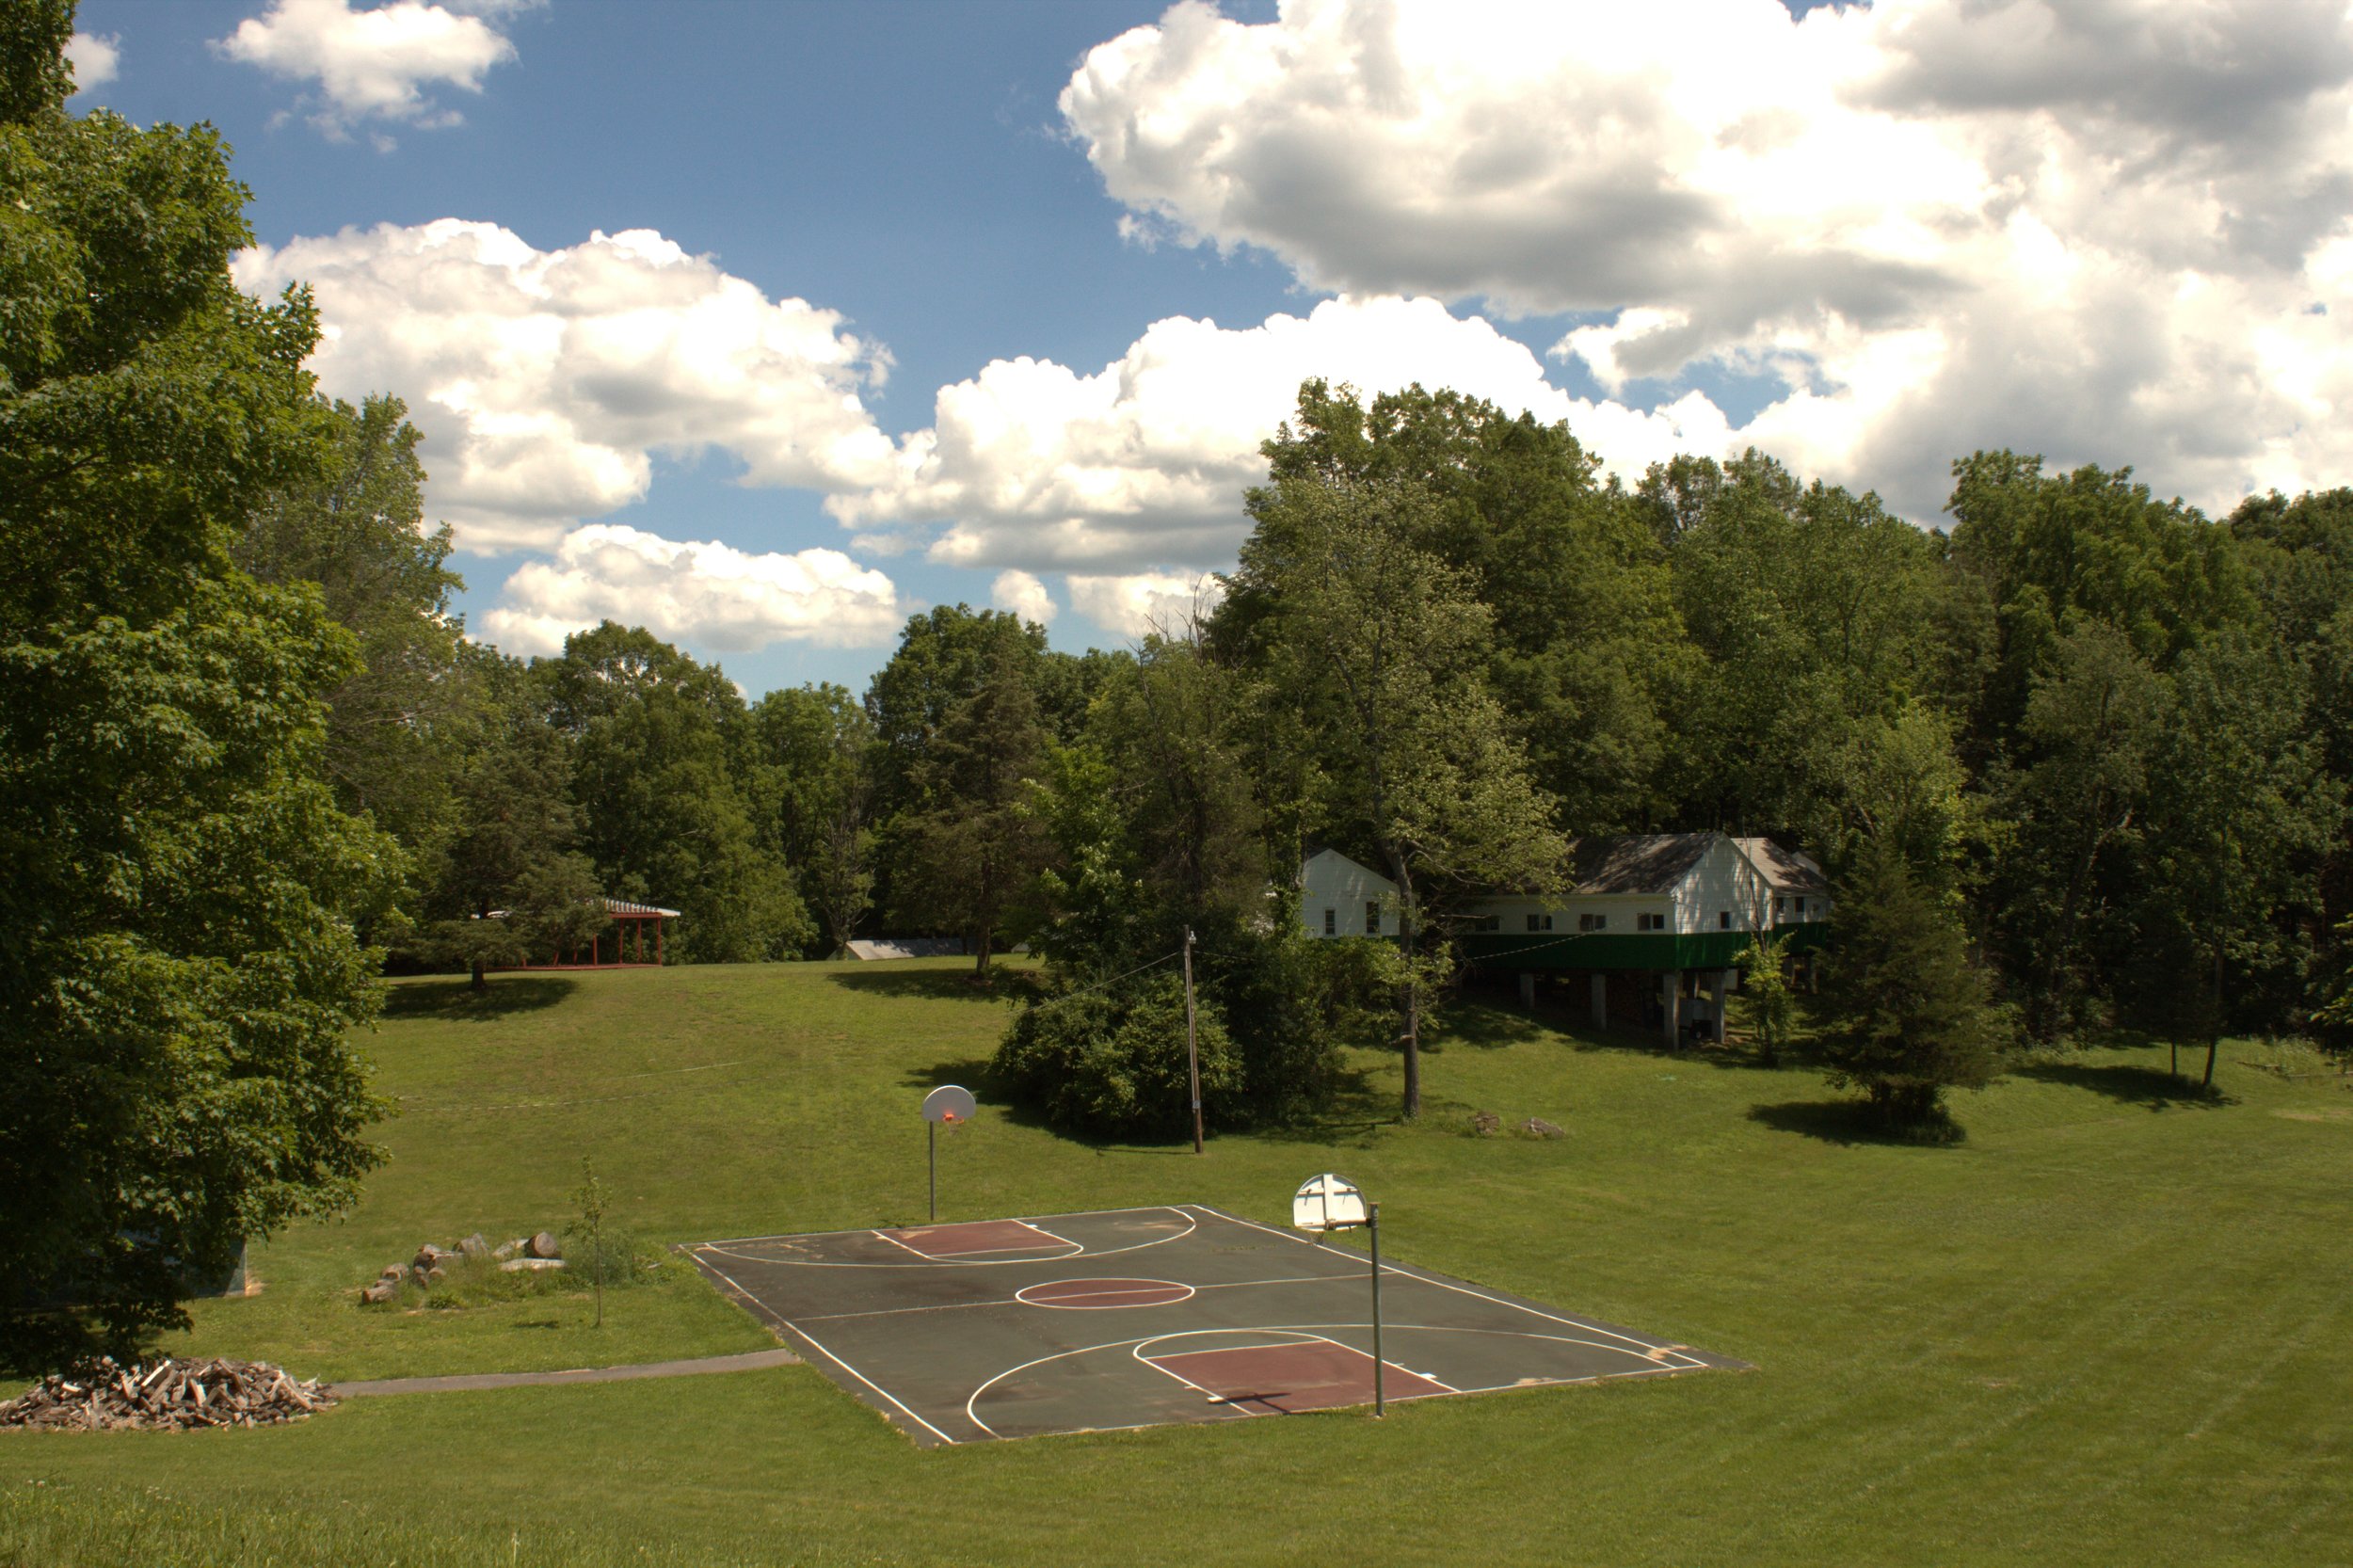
x=2111, y=1326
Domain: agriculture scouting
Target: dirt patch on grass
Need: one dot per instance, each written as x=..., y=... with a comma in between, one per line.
x=2333, y=1114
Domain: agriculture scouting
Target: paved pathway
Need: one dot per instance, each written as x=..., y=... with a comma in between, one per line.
x=752, y=1362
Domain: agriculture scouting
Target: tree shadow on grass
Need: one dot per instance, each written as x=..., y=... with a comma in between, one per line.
x=1850, y=1122
x=456, y=1000
x=2129, y=1083
x=939, y=985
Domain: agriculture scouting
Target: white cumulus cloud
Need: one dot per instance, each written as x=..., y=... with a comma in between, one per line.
x=544, y=381
x=95, y=59
x=374, y=64
x=1021, y=594
x=2106, y=229
x=1142, y=602
x=1143, y=463
x=708, y=592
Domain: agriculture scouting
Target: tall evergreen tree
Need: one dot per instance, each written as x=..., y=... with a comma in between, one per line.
x=1911, y=1017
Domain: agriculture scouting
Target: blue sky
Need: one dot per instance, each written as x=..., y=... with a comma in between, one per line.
x=1868, y=243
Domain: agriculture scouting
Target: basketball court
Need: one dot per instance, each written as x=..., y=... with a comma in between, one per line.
x=1134, y=1318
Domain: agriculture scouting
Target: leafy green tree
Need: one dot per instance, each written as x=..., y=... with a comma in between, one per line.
x=1587, y=652
x=661, y=754
x=2076, y=806
x=1377, y=654
x=357, y=530
x=1772, y=1006
x=820, y=745
x=1815, y=612
x=1113, y=1061
x=1910, y=1015
x=177, y=888
x=504, y=885
x=972, y=850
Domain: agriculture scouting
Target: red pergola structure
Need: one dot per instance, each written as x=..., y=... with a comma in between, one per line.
x=628, y=940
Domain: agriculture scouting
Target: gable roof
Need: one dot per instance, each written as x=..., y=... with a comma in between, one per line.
x=1636, y=862
x=1786, y=870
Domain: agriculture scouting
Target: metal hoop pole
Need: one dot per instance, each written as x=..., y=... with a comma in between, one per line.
x=1372, y=1225
x=931, y=1141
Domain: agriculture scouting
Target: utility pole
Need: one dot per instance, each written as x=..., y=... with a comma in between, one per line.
x=1192, y=1044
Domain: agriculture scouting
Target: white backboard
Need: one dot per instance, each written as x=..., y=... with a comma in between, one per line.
x=949, y=1103
x=1328, y=1202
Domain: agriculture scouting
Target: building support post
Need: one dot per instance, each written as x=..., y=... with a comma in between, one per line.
x=1716, y=1000
x=1528, y=991
x=1671, y=992
x=1601, y=999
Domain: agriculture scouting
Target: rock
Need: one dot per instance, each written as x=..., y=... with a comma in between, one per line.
x=1536, y=1126
x=381, y=1291
x=393, y=1272
x=544, y=1245
x=435, y=1274
x=506, y=1250
x=516, y=1264
x=474, y=1246
x=1486, y=1123
x=419, y=1275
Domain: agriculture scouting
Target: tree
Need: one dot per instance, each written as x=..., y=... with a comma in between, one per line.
x=357, y=530
x=1764, y=983
x=1376, y=654
x=661, y=753
x=179, y=974
x=821, y=742
x=504, y=885
x=976, y=844
x=1911, y=1017
x=2075, y=804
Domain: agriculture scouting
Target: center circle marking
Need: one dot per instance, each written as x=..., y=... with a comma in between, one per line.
x=1102, y=1295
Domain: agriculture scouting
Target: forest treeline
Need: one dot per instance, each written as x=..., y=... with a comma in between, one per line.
x=2108, y=735
x=2078, y=760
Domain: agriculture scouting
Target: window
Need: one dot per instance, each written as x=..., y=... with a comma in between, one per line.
x=1780, y=908
x=1540, y=923
x=1486, y=922
x=1331, y=922
x=1800, y=908
x=1373, y=916
x=1592, y=923
x=1650, y=922
x=1724, y=919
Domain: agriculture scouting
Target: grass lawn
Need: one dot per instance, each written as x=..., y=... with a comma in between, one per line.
x=2111, y=1327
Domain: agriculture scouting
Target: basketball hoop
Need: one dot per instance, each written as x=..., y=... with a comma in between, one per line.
x=945, y=1105
x=1329, y=1202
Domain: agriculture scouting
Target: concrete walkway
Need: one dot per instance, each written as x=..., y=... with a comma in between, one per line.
x=751, y=1363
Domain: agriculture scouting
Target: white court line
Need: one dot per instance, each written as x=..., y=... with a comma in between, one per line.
x=1404, y=1272
x=1076, y=1303
x=1016, y=1300
x=1315, y=1330
x=1191, y=1224
x=871, y=1384
x=860, y=1230
x=1310, y=1339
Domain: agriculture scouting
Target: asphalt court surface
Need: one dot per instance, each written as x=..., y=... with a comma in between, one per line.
x=993, y=1329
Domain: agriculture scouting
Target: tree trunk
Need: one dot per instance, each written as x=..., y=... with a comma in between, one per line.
x=1409, y=993
x=481, y=980
x=981, y=967
x=2214, y=1028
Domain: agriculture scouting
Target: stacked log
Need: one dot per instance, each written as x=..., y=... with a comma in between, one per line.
x=169, y=1395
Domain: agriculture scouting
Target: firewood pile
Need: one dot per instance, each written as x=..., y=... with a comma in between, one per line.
x=169, y=1395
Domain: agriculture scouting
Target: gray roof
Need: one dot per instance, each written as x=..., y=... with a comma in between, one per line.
x=1637, y=862
x=1785, y=869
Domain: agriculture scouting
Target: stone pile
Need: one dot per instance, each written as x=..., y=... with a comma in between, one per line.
x=168, y=1396
x=433, y=1262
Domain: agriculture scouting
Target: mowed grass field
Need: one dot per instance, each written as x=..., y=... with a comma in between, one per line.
x=2113, y=1326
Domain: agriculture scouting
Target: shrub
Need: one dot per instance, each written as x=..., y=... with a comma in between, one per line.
x=1112, y=1061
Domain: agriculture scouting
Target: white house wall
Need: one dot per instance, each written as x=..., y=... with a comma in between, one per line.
x=1721, y=881
x=1331, y=880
